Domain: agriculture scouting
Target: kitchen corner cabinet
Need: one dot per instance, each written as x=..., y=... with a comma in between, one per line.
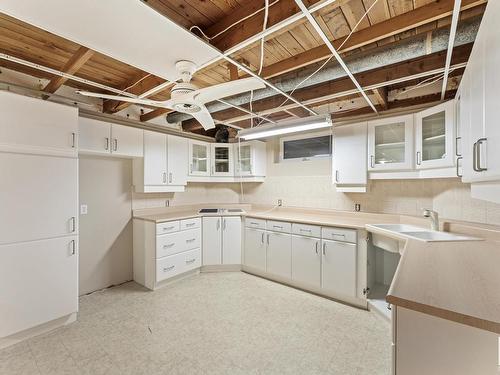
x=99, y=137
x=199, y=158
x=164, y=166
x=222, y=159
x=390, y=143
x=435, y=136
x=250, y=159
x=221, y=240
x=255, y=248
x=349, y=168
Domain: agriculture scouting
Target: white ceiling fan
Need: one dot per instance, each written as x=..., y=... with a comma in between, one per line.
x=187, y=98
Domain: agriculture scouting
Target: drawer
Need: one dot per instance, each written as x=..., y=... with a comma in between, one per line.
x=339, y=234
x=306, y=230
x=191, y=223
x=168, y=267
x=173, y=265
x=279, y=226
x=167, y=227
x=191, y=259
x=174, y=243
x=250, y=222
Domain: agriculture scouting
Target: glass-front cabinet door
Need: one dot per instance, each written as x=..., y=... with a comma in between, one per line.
x=222, y=159
x=243, y=156
x=434, y=131
x=390, y=143
x=199, y=158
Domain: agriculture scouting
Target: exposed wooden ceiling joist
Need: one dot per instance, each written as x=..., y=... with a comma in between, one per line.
x=82, y=55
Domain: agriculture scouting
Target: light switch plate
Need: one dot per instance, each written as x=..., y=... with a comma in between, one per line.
x=83, y=209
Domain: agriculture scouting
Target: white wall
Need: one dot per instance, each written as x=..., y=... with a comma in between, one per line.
x=106, y=231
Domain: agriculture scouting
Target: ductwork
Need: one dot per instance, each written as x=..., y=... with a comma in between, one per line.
x=405, y=50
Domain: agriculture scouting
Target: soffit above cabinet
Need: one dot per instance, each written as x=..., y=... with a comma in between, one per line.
x=128, y=31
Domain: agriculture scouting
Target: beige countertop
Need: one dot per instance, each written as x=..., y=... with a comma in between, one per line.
x=458, y=281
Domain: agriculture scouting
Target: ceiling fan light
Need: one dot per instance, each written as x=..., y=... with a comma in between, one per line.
x=187, y=107
x=286, y=127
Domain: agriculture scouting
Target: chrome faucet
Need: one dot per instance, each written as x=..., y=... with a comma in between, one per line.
x=434, y=218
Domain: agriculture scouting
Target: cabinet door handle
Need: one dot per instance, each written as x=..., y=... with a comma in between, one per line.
x=316, y=245
x=218, y=224
x=164, y=177
x=419, y=158
x=478, y=152
x=456, y=146
x=106, y=146
x=324, y=248
x=337, y=175
x=458, y=166
x=268, y=238
x=73, y=224
x=372, y=161
x=262, y=238
x=116, y=145
x=223, y=224
x=170, y=177
x=190, y=168
x=73, y=140
x=73, y=247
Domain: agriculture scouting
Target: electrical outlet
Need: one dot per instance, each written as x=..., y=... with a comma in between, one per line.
x=83, y=209
x=357, y=207
x=280, y=202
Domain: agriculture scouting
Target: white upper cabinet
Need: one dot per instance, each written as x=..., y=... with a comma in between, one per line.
x=349, y=157
x=37, y=126
x=155, y=158
x=251, y=159
x=222, y=159
x=177, y=160
x=99, y=137
x=126, y=141
x=434, y=136
x=479, y=109
x=199, y=158
x=390, y=143
x=164, y=166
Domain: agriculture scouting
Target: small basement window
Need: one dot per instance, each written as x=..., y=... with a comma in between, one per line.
x=306, y=146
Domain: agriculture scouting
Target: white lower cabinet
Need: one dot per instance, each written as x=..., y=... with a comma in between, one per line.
x=221, y=240
x=338, y=265
x=306, y=260
x=38, y=282
x=165, y=250
x=279, y=254
x=255, y=248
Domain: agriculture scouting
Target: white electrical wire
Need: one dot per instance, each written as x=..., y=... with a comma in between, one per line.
x=266, y=7
x=426, y=82
x=329, y=58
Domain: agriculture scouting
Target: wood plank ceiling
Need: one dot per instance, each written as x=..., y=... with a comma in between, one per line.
x=292, y=48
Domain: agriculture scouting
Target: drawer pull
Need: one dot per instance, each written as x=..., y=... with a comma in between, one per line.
x=168, y=245
x=166, y=269
x=338, y=235
x=190, y=224
x=190, y=261
x=168, y=228
x=277, y=226
x=253, y=223
x=191, y=240
x=305, y=230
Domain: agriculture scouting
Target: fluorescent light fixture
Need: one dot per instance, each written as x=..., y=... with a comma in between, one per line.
x=286, y=127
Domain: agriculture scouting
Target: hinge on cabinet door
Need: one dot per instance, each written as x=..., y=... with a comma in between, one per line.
x=366, y=291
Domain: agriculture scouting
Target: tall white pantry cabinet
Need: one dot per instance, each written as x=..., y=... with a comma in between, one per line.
x=38, y=216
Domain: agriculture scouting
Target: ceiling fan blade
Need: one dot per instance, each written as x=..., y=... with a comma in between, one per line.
x=204, y=118
x=222, y=90
x=153, y=103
